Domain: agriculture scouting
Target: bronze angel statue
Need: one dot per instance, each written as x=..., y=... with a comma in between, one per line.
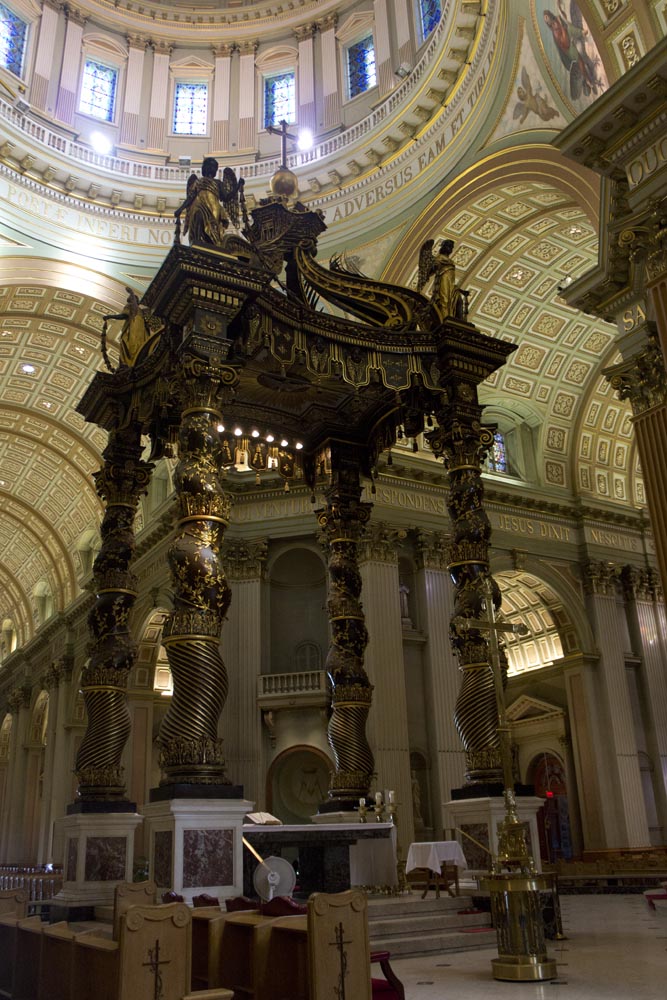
x=446, y=296
x=211, y=204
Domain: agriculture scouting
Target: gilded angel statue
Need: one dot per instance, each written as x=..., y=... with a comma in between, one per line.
x=211, y=204
x=445, y=293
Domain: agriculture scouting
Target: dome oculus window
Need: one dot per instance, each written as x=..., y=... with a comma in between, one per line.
x=13, y=32
x=98, y=90
x=279, y=99
x=190, y=109
x=430, y=12
x=361, y=74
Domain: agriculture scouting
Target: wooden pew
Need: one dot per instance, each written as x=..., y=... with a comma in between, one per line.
x=127, y=894
x=28, y=955
x=57, y=955
x=207, y=928
x=13, y=907
x=244, y=936
x=151, y=958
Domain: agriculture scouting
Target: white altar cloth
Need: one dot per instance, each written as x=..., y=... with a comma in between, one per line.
x=433, y=854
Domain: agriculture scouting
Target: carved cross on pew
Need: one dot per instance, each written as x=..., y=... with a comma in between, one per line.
x=154, y=964
x=490, y=624
x=340, y=943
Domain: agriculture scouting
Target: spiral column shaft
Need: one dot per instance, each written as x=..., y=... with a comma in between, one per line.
x=122, y=480
x=462, y=442
x=343, y=520
x=190, y=750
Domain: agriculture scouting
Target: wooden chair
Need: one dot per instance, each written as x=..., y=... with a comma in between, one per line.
x=152, y=957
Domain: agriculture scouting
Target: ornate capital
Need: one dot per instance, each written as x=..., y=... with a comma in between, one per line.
x=137, y=42
x=19, y=698
x=636, y=584
x=600, y=578
x=245, y=560
x=432, y=550
x=124, y=478
x=224, y=50
x=656, y=584
x=74, y=15
x=380, y=542
x=328, y=22
x=161, y=48
x=641, y=379
x=304, y=32
x=51, y=678
x=248, y=48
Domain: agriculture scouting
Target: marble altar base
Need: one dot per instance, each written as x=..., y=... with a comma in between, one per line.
x=480, y=818
x=332, y=856
x=99, y=853
x=195, y=845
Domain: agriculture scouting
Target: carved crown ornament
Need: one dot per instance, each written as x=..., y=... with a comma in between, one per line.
x=642, y=378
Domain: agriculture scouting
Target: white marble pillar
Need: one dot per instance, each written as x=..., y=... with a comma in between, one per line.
x=157, y=116
x=44, y=56
x=19, y=706
x=383, y=62
x=63, y=762
x=247, y=114
x=648, y=642
x=129, y=125
x=622, y=798
x=387, y=728
x=51, y=682
x=222, y=82
x=306, y=114
x=241, y=720
x=435, y=596
x=71, y=66
x=330, y=84
x=404, y=40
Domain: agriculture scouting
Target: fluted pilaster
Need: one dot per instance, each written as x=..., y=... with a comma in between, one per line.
x=19, y=706
x=242, y=646
x=441, y=676
x=622, y=800
x=388, y=725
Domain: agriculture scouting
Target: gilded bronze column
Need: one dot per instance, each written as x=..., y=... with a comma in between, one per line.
x=343, y=520
x=120, y=483
x=190, y=751
x=462, y=442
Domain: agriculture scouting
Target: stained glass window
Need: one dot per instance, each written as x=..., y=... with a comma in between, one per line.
x=497, y=458
x=98, y=90
x=279, y=99
x=361, y=66
x=191, y=109
x=430, y=11
x=12, y=40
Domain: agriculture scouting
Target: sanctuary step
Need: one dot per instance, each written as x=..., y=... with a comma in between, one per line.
x=408, y=926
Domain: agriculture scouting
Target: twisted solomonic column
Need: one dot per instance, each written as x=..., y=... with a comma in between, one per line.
x=462, y=442
x=343, y=520
x=120, y=483
x=190, y=751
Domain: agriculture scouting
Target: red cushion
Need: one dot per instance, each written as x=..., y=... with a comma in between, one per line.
x=382, y=988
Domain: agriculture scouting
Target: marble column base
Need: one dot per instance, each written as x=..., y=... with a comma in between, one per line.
x=480, y=818
x=195, y=845
x=99, y=853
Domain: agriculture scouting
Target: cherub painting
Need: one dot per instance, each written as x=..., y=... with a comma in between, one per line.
x=532, y=100
x=571, y=51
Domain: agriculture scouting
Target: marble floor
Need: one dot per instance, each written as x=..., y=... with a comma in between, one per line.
x=616, y=949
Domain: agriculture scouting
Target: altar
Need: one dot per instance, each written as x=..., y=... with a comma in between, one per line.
x=331, y=857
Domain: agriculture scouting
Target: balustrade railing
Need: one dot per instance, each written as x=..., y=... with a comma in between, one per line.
x=40, y=885
x=304, y=682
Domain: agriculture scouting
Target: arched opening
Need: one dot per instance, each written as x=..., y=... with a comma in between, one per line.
x=529, y=601
x=297, y=598
x=547, y=773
